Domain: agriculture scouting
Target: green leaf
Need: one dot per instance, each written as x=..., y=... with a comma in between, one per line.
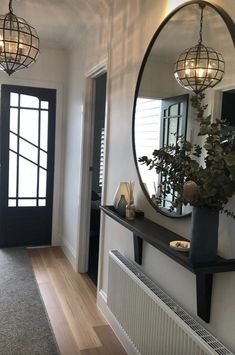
x=230, y=159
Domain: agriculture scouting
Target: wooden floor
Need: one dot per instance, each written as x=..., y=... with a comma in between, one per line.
x=70, y=300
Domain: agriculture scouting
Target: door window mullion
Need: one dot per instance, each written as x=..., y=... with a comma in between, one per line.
x=29, y=160
x=17, y=161
x=39, y=153
x=27, y=141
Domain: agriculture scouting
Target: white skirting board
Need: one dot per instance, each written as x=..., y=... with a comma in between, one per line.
x=69, y=253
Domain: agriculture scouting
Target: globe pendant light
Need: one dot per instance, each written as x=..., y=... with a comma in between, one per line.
x=199, y=67
x=19, y=43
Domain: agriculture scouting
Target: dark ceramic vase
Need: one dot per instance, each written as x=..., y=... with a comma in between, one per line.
x=204, y=235
x=121, y=208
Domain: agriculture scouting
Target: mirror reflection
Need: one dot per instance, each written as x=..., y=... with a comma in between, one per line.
x=163, y=109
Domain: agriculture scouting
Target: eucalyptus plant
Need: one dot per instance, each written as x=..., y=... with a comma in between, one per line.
x=201, y=175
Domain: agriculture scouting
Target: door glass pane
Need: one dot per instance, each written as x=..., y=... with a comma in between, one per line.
x=13, y=142
x=44, y=128
x=27, y=178
x=173, y=125
x=43, y=159
x=45, y=105
x=181, y=106
x=14, y=99
x=165, y=132
x=29, y=125
x=14, y=120
x=167, y=204
x=29, y=101
x=12, y=174
x=42, y=203
x=28, y=151
x=172, y=130
x=42, y=183
x=181, y=132
x=11, y=203
x=27, y=203
x=173, y=110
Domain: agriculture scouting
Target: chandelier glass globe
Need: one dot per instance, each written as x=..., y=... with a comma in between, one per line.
x=199, y=67
x=19, y=43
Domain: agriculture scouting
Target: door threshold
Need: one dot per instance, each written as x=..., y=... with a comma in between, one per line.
x=39, y=246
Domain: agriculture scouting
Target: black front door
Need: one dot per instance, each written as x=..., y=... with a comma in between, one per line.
x=27, y=165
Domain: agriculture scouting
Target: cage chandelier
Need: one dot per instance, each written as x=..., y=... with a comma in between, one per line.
x=199, y=67
x=19, y=43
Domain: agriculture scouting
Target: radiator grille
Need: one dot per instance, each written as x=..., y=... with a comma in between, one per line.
x=155, y=324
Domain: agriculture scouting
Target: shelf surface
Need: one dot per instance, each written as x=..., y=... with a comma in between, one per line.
x=160, y=237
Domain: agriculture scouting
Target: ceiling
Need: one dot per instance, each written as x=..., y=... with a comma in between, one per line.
x=58, y=22
x=182, y=31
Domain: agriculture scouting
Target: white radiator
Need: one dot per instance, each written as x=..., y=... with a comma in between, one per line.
x=154, y=323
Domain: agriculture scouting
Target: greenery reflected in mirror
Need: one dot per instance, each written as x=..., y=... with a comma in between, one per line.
x=163, y=110
x=202, y=176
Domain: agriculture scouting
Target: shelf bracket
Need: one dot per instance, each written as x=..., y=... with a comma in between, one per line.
x=204, y=284
x=138, y=248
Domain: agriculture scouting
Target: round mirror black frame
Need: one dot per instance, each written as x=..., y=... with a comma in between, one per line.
x=231, y=28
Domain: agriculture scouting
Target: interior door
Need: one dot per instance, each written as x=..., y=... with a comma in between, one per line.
x=27, y=165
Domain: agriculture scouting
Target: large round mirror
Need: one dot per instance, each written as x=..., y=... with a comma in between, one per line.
x=162, y=107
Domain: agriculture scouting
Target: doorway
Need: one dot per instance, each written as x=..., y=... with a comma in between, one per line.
x=99, y=105
x=27, y=165
x=228, y=107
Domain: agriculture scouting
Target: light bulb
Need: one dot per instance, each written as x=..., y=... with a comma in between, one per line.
x=1, y=44
x=187, y=72
x=200, y=72
x=21, y=49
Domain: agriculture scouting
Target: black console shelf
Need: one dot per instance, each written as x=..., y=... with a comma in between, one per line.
x=159, y=237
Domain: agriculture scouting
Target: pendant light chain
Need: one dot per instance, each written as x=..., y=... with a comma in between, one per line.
x=10, y=7
x=201, y=24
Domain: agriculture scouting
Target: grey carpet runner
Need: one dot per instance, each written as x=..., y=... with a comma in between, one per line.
x=24, y=326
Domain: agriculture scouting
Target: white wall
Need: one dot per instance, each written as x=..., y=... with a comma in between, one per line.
x=133, y=24
x=91, y=51
x=50, y=71
x=159, y=71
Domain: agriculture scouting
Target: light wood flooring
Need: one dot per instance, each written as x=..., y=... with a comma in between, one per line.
x=70, y=300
